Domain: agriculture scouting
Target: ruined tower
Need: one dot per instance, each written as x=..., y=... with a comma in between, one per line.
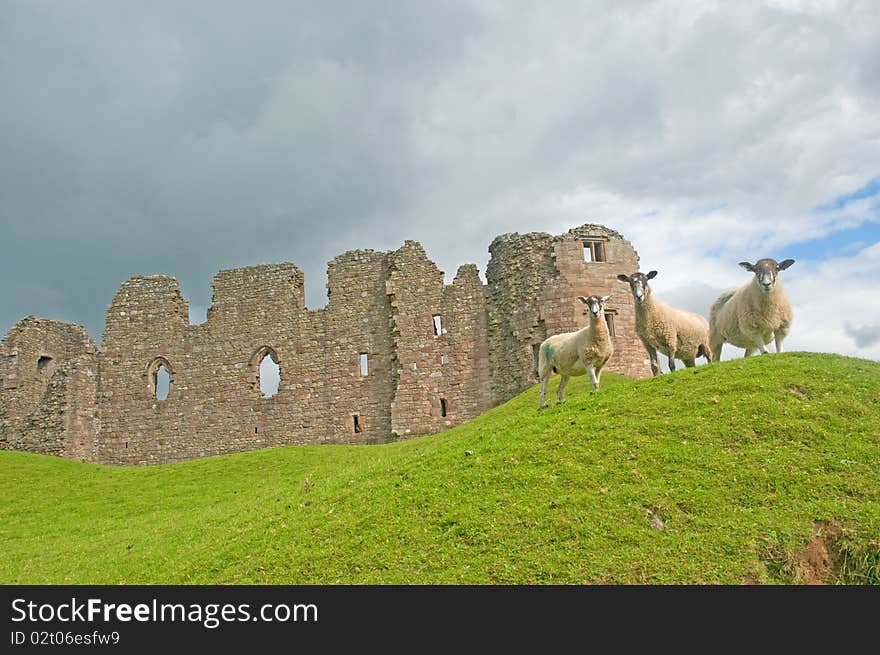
x=534, y=280
x=396, y=352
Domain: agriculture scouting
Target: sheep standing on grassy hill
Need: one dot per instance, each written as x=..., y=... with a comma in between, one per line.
x=576, y=353
x=749, y=317
x=674, y=332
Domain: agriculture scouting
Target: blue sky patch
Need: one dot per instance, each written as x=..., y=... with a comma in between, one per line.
x=872, y=188
x=845, y=242
x=837, y=244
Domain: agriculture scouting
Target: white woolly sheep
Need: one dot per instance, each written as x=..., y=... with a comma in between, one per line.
x=753, y=315
x=576, y=353
x=674, y=332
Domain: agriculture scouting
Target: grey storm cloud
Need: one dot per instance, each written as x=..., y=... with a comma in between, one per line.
x=865, y=335
x=182, y=138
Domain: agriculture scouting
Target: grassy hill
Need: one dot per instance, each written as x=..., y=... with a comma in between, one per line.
x=757, y=470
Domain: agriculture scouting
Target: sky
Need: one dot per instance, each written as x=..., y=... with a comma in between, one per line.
x=182, y=138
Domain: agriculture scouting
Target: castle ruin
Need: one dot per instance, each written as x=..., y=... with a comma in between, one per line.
x=396, y=353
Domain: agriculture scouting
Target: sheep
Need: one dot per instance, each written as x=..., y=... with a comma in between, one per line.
x=674, y=332
x=576, y=353
x=749, y=317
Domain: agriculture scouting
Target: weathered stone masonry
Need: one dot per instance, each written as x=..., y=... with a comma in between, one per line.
x=60, y=395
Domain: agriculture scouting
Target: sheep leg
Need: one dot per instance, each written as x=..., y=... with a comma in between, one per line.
x=707, y=353
x=750, y=352
x=670, y=352
x=655, y=362
x=599, y=373
x=560, y=391
x=715, y=347
x=544, y=373
x=594, y=378
x=779, y=335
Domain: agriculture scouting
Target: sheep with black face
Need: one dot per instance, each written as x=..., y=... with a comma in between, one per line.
x=662, y=328
x=576, y=353
x=755, y=314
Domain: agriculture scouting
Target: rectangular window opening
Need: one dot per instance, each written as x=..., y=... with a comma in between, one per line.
x=438, y=325
x=536, y=350
x=594, y=251
x=357, y=423
x=444, y=359
x=443, y=407
x=609, y=320
x=365, y=367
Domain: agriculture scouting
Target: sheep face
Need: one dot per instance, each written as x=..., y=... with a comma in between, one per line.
x=638, y=284
x=766, y=272
x=595, y=304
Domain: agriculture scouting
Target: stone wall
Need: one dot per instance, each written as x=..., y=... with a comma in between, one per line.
x=48, y=385
x=436, y=354
x=443, y=378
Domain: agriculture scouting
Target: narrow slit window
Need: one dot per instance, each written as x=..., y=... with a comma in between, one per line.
x=357, y=423
x=594, y=251
x=365, y=366
x=443, y=407
x=536, y=351
x=438, y=325
x=444, y=359
x=609, y=320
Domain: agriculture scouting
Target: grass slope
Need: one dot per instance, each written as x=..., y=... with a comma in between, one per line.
x=740, y=460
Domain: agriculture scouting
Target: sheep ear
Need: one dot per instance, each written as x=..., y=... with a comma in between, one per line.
x=747, y=266
x=583, y=300
x=623, y=278
x=651, y=275
x=785, y=263
x=606, y=298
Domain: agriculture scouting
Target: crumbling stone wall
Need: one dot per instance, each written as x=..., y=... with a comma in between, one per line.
x=48, y=384
x=215, y=404
x=61, y=396
x=443, y=378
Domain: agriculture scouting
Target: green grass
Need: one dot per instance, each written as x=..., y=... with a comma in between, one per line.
x=740, y=460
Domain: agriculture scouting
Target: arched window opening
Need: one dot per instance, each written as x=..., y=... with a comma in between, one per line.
x=160, y=378
x=266, y=372
x=163, y=383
